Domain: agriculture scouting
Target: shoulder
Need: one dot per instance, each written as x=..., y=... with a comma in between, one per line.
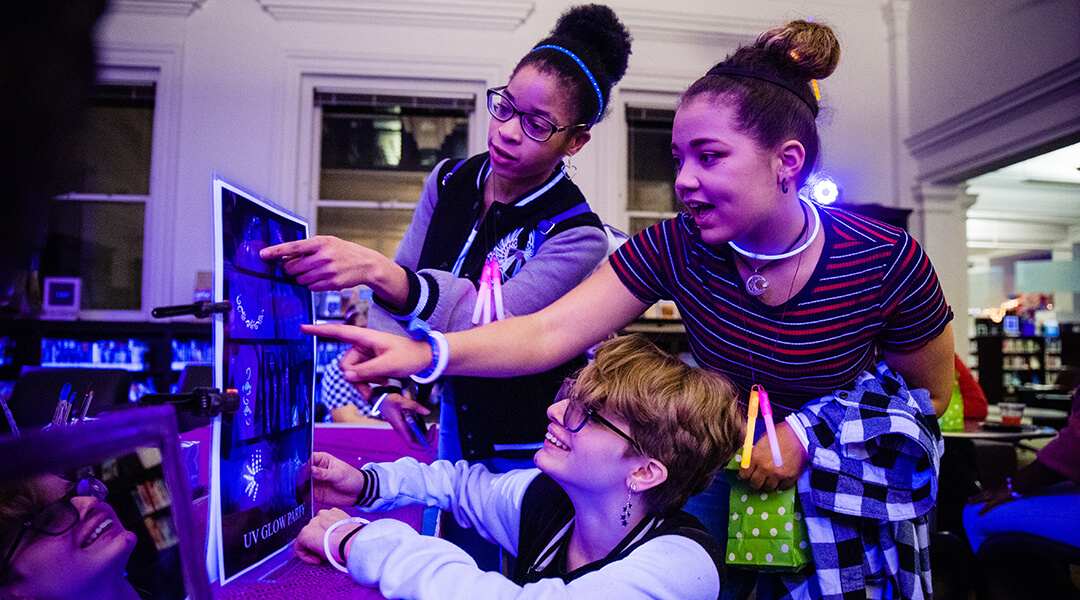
x=677, y=563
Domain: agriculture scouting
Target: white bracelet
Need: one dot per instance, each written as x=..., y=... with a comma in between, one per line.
x=326, y=541
x=375, y=407
x=441, y=350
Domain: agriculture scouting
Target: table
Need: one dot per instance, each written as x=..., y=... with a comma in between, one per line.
x=976, y=430
x=297, y=580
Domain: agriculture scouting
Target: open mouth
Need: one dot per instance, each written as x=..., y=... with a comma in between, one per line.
x=104, y=526
x=698, y=209
x=555, y=442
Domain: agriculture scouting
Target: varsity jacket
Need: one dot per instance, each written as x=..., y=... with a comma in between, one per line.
x=662, y=558
x=542, y=254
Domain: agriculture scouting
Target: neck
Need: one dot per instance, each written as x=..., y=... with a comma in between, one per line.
x=598, y=528
x=505, y=190
x=785, y=235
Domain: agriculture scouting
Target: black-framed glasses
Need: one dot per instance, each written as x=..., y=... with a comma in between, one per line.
x=58, y=517
x=536, y=127
x=577, y=415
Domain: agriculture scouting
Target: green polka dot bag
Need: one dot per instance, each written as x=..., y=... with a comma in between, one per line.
x=766, y=531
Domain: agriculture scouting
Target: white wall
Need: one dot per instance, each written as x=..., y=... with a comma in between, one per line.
x=231, y=99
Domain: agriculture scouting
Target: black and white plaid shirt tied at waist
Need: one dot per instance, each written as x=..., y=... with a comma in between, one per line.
x=873, y=478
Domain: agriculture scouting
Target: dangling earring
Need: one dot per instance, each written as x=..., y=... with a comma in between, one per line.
x=625, y=516
x=783, y=185
x=568, y=169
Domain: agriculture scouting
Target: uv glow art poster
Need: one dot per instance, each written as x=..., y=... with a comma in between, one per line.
x=261, y=486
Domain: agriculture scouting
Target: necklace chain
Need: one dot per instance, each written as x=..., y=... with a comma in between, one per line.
x=788, y=253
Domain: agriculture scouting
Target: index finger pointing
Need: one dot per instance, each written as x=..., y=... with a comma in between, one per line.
x=288, y=249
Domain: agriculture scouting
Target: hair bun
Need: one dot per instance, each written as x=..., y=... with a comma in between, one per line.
x=596, y=27
x=811, y=48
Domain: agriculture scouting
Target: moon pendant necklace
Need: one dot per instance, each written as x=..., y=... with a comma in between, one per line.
x=756, y=283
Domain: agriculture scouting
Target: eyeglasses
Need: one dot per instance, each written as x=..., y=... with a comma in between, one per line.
x=534, y=126
x=58, y=517
x=577, y=415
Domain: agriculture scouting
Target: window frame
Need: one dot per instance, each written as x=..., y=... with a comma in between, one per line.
x=160, y=67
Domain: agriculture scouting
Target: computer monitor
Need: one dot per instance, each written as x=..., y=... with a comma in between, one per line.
x=136, y=453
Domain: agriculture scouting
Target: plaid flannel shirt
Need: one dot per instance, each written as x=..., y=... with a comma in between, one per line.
x=336, y=392
x=874, y=459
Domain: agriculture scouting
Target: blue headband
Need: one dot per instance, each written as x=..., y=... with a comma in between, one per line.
x=592, y=80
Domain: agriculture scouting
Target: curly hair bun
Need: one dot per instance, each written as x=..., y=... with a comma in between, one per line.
x=811, y=49
x=595, y=27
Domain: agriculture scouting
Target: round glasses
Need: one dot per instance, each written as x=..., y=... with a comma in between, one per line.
x=577, y=415
x=58, y=517
x=534, y=126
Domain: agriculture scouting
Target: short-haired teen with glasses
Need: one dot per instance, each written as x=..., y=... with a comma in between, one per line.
x=628, y=442
x=514, y=205
x=60, y=540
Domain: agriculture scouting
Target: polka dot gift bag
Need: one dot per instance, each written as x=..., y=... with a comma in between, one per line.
x=766, y=530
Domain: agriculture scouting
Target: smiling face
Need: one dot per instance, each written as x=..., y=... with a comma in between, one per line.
x=519, y=159
x=728, y=182
x=96, y=548
x=593, y=458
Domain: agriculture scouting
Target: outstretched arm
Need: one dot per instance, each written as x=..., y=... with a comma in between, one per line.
x=529, y=344
x=328, y=263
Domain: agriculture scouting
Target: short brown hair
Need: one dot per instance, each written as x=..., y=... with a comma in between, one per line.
x=683, y=416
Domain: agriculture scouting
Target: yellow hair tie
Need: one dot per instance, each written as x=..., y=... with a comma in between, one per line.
x=817, y=92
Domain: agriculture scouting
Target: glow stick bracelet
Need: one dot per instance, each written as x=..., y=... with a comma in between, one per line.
x=751, y=424
x=770, y=429
x=496, y=290
x=326, y=541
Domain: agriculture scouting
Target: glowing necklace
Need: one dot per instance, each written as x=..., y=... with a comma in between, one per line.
x=756, y=284
x=813, y=236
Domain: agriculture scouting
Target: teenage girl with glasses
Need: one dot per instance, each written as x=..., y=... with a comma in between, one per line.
x=636, y=434
x=515, y=205
x=800, y=299
x=60, y=540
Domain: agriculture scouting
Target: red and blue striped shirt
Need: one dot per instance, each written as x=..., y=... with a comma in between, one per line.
x=873, y=289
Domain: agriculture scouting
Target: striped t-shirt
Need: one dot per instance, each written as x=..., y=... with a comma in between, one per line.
x=873, y=288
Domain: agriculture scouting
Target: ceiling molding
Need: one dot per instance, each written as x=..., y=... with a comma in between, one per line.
x=1014, y=125
x=172, y=8
x=666, y=25
x=505, y=15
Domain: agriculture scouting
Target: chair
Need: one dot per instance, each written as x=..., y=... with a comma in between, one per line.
x=1017, y=565
x=36, y=392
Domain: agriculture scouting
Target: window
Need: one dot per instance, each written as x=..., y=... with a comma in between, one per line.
x=651, y=190
x=375, y=152
x=96, y=231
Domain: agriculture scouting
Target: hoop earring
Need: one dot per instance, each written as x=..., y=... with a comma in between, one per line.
x=568, y=169
x=783, y=185
x=625, y=516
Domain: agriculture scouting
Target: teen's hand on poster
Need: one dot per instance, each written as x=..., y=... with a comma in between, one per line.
x=325, y=263
x=375, y=354
x=766, y=476
x=308, y=546
x=335, y=481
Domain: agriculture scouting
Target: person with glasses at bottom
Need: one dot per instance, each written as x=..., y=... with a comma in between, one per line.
x=60, y=540
x=513, y=206
x=628, y=442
